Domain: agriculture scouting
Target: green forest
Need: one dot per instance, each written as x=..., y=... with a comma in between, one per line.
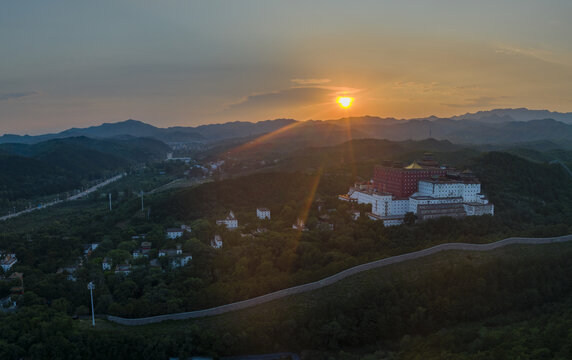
x=388, y=317
x=54, y=166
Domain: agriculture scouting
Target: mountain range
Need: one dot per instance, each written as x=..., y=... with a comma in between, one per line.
x=499, y=126
x=178, y=134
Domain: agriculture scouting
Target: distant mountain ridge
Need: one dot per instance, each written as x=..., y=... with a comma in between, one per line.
x=498, y=126
x=136, y=128
x=520, y=114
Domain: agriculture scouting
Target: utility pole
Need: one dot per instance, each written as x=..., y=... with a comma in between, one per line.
x=141, y=200
x=91, y=286
x=109, y=201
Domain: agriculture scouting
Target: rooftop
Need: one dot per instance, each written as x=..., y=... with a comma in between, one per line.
x=444, y=180
x=414, y=165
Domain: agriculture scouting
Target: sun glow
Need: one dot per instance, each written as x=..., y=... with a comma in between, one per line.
x=345, y=102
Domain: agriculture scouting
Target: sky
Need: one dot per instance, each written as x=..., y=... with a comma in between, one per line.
x=184, y=63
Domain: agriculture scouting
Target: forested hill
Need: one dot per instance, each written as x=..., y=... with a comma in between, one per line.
x=523, y=190
x=59, y=165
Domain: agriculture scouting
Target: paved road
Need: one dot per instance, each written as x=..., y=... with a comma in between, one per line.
x=334, y=278
x=179, y=183
x=74, y=197
x=563, y=165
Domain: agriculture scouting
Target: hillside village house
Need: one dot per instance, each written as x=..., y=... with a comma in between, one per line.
x=263, y=213
x=217, y=242
x=146, y=247
x=231, y=222
x=175, y=233
x=106, y=264
x=7, y=261
x=69, y=271
x=171, y=252
x=176, y=256
x=123, y=269
x=143, y=250
x=89, y=248
x=7, y=304
x=300, y=225
x=180, y=261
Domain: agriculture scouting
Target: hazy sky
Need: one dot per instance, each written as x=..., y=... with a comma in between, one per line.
x=81, y=63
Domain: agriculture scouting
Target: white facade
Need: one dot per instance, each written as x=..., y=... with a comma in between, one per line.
x=263, y=213
x=171, y=252
x=217, y=242
x=106, y=264
x=398, y=207
x=174, y=233
x=468, y=191
x=181, y=260
x=431, y=192
x=123, y=269
x=231, y=222
x=8, y=261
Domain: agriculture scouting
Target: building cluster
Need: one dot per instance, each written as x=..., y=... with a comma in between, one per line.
x=423, y=188
x=231, y=223
x=176, y=257
x=70, y=270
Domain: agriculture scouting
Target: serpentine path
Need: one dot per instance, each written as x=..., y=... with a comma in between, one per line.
x=335, y=278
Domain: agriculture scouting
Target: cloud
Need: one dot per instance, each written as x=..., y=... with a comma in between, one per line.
x=17, y=95
x=420, y=88
x=292, y=97
x=546, y=56
x=481, y=101
x=311, y=81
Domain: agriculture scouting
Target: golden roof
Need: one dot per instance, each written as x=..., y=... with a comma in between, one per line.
x=414, y=165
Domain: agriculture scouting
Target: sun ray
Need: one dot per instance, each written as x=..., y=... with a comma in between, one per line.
x=263, y=138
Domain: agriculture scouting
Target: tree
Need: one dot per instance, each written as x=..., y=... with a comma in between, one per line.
x=118, y=256
x=409, y=218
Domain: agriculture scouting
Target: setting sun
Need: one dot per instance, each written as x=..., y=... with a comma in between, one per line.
x=345, y=102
